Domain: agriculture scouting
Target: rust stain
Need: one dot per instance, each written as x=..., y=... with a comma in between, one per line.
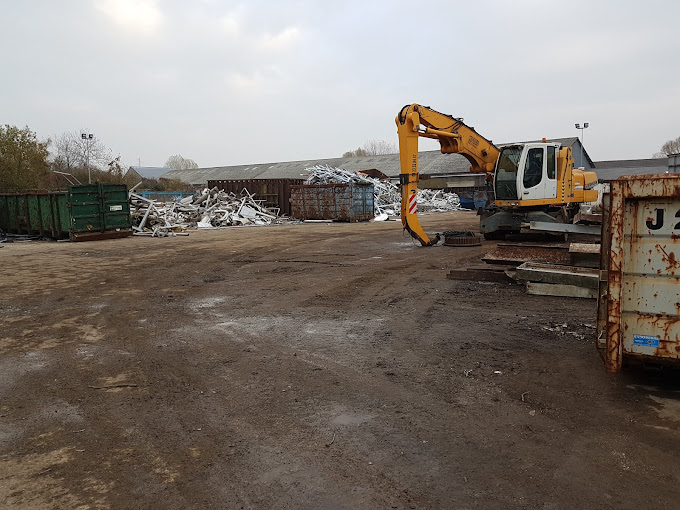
x=669, y=258
x=633, y=213
x=615, y=273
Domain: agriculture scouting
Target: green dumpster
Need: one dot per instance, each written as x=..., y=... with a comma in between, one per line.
x=93, y=211
x=99, y=211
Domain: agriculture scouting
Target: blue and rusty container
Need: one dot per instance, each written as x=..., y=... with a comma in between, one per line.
x=339, y=202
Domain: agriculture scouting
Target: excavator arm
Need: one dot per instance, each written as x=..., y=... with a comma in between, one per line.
x=454, y=137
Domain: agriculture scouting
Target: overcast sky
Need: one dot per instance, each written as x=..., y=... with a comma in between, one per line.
x=227, y=83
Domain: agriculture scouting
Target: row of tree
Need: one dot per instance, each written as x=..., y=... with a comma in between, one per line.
x=26, y=162
x=372, y=148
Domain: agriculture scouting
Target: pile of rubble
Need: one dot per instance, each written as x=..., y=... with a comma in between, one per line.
x=210, y=208
x=387, y=196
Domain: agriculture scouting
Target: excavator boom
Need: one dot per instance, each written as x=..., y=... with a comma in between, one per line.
x=454, y=137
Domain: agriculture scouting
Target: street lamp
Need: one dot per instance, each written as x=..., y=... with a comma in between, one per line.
x=88, y=138
x=578, y=126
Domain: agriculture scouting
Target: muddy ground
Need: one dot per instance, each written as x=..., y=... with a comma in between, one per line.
x=312, y=366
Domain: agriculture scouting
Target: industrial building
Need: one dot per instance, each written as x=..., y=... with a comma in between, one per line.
x=449, y=170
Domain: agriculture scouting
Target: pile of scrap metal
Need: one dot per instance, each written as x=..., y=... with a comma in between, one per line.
x=437, y=201
x=209, y=208
x=387, y=196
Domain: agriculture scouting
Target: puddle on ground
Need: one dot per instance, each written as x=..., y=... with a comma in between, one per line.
x=670, y=408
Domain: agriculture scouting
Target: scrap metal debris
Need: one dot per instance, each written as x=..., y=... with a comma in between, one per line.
x=209, y=208
x=387, y=196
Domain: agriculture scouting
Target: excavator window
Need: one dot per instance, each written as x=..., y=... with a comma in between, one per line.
x=551, y=162
x=506, y=173
x=533, y=169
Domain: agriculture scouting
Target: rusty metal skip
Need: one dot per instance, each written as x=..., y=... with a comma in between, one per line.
x=639, y=304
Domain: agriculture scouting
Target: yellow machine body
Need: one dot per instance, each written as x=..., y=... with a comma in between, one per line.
x=526, y=176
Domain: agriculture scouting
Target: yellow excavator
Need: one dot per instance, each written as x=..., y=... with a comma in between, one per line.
x=533, y=181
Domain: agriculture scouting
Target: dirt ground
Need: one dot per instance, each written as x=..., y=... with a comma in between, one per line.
x=312, y=366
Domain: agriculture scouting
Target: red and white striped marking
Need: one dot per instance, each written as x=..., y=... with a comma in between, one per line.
x=412, y=204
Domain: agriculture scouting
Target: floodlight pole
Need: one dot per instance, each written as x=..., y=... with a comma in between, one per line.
x=88, y=138
x=578, y=126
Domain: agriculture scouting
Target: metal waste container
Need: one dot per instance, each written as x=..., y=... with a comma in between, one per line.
x=639, y=304
x=93, y=211
x=341, y=202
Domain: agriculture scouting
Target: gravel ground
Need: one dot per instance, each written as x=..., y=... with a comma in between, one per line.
x=312, y=366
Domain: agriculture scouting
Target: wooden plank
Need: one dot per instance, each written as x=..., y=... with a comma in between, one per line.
x=549, y=289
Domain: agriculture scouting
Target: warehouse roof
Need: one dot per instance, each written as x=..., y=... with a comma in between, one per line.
x=150, y=172
x=429, y=162
x=609, y=170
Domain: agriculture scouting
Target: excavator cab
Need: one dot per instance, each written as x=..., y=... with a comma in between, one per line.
x=527, y=172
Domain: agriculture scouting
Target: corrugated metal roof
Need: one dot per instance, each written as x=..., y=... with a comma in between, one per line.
x=633, y=163
x=429, y=162
x=150, y=172
x=613, y=169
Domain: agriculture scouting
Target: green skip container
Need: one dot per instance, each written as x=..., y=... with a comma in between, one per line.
x=87, y=212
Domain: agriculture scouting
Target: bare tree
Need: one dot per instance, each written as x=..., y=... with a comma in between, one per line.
x=356, y=153
x=66, y=158
x=177, y=162
x=378, y=147
x=373, y=148
x=668, y=148
x=74, y=151
x=115, y=169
